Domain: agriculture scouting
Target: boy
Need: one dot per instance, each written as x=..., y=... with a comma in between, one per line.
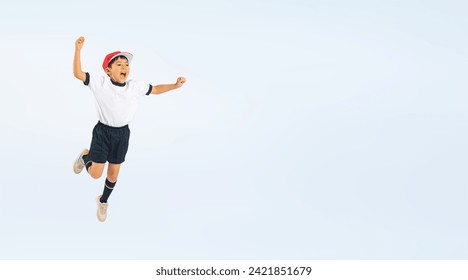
x=116, y=103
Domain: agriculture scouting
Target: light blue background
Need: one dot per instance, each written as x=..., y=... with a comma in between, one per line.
x=306, y=130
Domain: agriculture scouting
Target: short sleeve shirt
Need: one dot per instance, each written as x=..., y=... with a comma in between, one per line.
x=116, y=103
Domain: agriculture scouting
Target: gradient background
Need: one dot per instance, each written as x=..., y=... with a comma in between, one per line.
x=306, y=130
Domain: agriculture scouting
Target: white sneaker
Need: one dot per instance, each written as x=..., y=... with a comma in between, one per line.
x=79, y=164
x=101, y=209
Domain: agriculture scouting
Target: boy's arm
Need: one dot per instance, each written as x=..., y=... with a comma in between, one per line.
x=158, y=89
x=77, y=72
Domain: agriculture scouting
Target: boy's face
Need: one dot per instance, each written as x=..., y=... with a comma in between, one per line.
x=119, y=70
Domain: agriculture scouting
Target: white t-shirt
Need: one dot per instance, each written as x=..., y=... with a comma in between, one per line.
x=116, y=103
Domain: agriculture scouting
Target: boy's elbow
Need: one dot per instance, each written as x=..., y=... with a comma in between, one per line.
x=80, y=75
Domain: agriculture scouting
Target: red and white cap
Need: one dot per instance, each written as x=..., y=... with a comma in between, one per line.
x=113, y=55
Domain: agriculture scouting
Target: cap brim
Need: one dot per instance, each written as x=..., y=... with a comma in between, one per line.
x=128, y=55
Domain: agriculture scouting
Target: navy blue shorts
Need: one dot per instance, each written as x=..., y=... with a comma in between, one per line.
x=109, y=144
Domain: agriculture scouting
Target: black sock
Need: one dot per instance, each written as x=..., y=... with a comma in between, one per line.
x=88, y=165
x=86, y=161
x=108, y=187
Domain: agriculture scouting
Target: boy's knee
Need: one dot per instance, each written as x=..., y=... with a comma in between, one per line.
x=95, y=170
x=95, y=175
x=112, y=178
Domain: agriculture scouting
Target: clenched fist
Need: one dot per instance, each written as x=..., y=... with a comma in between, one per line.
x=79, y=43
x=180, y=82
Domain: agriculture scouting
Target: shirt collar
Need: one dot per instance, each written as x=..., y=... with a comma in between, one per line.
x=118, y=84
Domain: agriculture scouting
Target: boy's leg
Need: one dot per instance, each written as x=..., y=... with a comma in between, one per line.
x=118, y=146
x=111, y=179
x=98, y=152
x=113, y=172
x=94, y=159
x=94, y=169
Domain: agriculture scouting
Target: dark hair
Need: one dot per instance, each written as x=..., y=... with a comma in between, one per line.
x=114, y=59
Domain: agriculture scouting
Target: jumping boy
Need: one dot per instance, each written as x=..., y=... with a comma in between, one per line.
x=116, y=103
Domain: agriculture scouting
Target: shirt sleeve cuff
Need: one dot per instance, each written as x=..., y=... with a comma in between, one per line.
x=86, y=81
x=150, y=89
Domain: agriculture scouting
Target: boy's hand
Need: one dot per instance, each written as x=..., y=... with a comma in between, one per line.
x=180, y=82
x=79, y=43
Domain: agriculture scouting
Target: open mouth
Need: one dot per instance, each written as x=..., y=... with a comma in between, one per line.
x=123, y=75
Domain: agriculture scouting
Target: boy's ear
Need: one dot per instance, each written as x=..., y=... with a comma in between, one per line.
x=108, y=71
